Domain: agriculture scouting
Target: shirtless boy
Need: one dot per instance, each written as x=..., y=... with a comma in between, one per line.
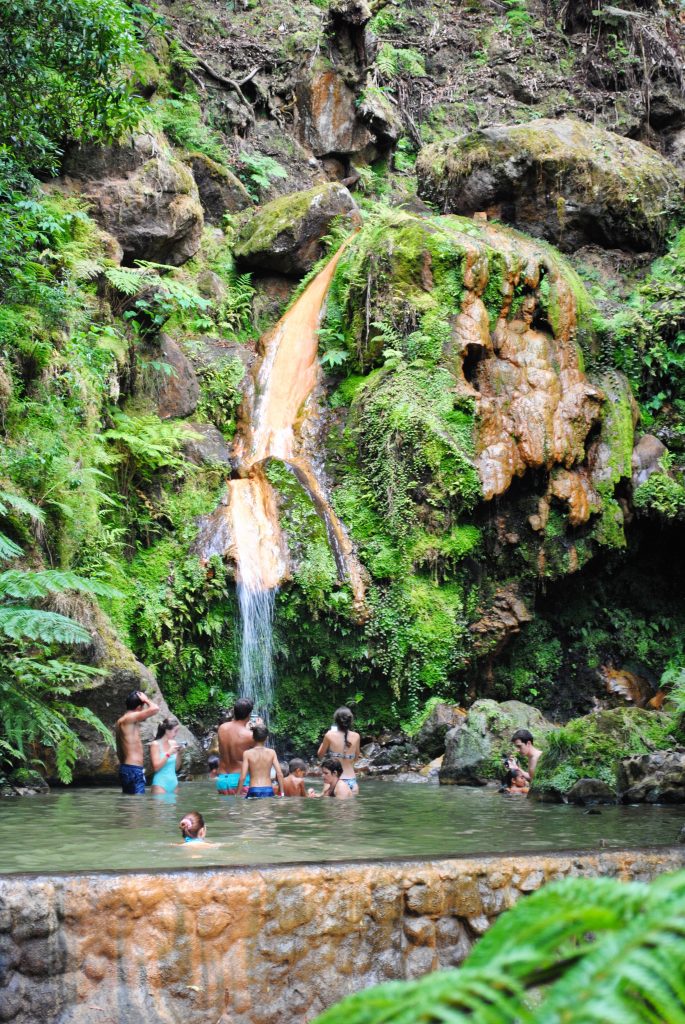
x=523, y=741
x=235, y=737
x=130, y=745
x=293, y=784
x=257, y=764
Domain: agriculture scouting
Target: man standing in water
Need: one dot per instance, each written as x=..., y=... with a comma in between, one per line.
x=129, y=744
x=235, y=737
x=523, y=741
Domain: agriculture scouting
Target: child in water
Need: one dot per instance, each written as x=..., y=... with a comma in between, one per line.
x=213, y=766
x=518, y=783
x=294, y=780
x=257, y=763
x=192, y=826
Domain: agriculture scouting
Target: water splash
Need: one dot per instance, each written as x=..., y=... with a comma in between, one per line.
x=256, y=657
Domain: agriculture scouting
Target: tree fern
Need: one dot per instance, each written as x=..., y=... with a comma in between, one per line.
x=596, y=950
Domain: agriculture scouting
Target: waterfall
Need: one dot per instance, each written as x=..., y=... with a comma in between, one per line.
x=247, y=527
x=256, y=656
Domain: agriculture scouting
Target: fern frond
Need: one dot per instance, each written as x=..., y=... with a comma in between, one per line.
x=8, y=549
x=30, y=586
x=128, y=281
x=20, y=505
x=47, y=627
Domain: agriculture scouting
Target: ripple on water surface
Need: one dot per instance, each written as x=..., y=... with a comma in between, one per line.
x=91, y=829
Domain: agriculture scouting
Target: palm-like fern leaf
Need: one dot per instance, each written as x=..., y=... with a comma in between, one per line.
x=30, y=586
x=607, y=951
x=22, y=505
x=46, y=627
x=8, y=549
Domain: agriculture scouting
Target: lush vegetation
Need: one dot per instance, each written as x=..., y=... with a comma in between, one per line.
x=580, y=950
x=99, y=492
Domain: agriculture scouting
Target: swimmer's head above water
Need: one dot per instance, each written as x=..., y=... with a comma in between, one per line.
x=192, y=826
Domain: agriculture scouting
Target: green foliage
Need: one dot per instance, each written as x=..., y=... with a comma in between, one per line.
x=63, y=76
x=35, y=682
x=181, y=118
x=591, y=747
x=579, y=951
x=649, y=339
x=182, y=617
x=144, y=444
x=160, y=297
x=221, y=394
x=519, y=19
x=661, y=496
x=535, y=662
x=257, y=171
x=392, y=61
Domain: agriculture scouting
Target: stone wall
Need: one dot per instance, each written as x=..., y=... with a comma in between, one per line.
x=256, y=946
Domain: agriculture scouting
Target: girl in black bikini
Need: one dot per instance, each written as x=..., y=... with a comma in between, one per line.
x=331, y=770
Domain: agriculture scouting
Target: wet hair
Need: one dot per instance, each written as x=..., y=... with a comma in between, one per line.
x=285, y=769
x=343, y=719
x=242, y=709
x=260, y=733
x=212, y=762
x=133, y=701
x=166, y=725
x=523, y=735
x=191, y=823
x=333, y=765
x=296, y=764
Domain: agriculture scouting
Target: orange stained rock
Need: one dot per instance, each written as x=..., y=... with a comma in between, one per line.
x=257, y=542
x=575, y=488
x=288, y=373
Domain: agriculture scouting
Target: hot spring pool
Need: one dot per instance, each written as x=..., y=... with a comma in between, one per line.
x=99, y=829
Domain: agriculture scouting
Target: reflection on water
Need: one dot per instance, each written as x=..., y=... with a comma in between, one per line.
x=83, y=829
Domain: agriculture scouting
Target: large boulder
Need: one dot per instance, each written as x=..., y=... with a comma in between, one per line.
x=327, y=115
x=655, y=778
x=177, y=390
x=106, y=697
x=593, y=746
x=220, y=191
x=285, y=234
x=142, y=195
x=430, y=739
x=475, y=748
x=569, y=182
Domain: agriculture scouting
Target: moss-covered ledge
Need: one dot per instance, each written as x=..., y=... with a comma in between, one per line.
x=255, y=945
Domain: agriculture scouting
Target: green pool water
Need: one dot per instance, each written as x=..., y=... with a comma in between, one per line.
x=90, y=829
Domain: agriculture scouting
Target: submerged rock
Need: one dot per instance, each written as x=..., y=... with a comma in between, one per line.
x=285, y=234
x=142, y=195
x=569, y=182
x=656, y=778
x=587, y=792
x=475, y=749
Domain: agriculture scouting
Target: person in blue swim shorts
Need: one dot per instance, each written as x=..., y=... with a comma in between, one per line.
x=257, y=764
x=235, y=737
x=129, y=742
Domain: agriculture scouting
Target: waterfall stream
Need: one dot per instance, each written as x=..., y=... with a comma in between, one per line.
x=247, y=529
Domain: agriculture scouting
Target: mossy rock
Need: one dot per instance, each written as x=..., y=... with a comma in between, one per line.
x=220, y=191
x=285, y=235
x=592, y=747
x=475, y=749
x=569, y=182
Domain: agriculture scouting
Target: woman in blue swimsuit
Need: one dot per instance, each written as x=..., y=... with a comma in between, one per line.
x=344, y=744
x=165, y=754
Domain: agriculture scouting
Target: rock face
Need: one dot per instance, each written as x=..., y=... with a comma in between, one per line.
x=220, y=191
x=328, y=116
x=475, y=749
x=431, y=737
x=209, y=448
x=588, y=792
x=209, y=945
x=142, y=195
x=106, y=698
x=657, y=778
x=285, y=235
x=566, y=181
x=647, y=455
x=176, y=391
x=535, y=404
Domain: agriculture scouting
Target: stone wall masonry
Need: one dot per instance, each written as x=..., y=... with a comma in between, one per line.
x=257, y=945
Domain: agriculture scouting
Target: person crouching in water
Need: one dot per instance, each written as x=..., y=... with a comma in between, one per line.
x=192, y=826
x=516, y=782
x=257, y=763
x=334, y=784
x=342, y=743
x=294, y=780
